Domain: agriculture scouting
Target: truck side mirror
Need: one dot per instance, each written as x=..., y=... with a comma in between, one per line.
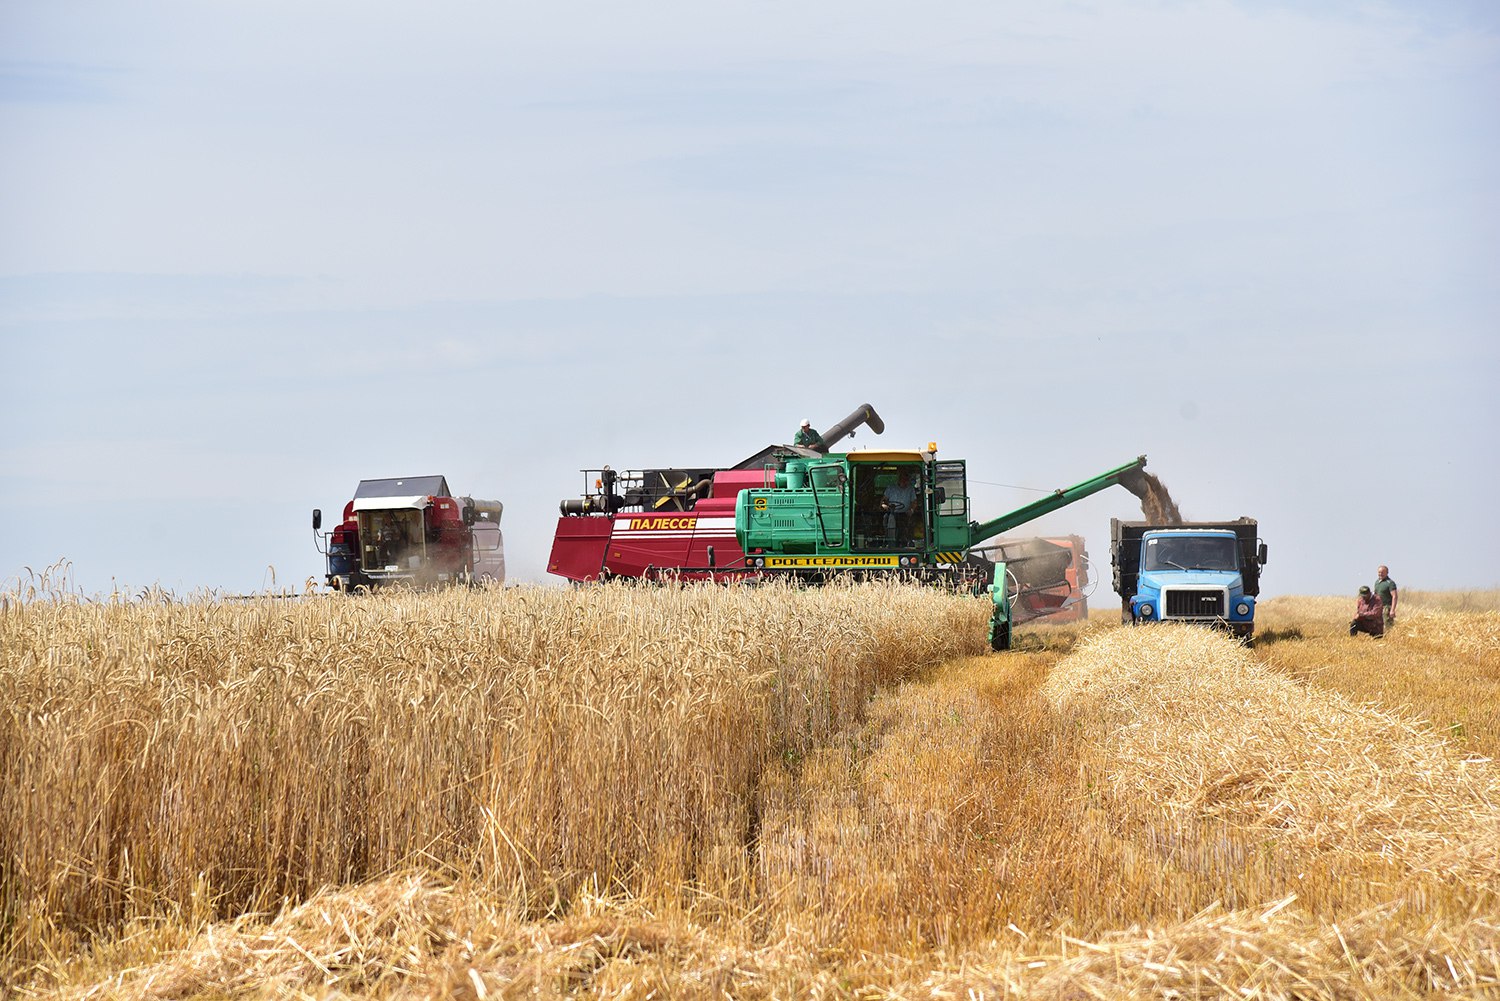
x=469, y=514
x=1261, y=554
x=317, y=518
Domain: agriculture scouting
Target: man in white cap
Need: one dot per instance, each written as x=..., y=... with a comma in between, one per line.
x=806, y=436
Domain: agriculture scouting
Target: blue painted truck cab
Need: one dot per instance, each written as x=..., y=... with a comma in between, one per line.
x=1201, y=572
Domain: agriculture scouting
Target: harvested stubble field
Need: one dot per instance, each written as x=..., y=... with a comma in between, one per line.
x=742, y=792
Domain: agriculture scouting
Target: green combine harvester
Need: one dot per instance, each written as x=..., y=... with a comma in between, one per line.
x=880, y=511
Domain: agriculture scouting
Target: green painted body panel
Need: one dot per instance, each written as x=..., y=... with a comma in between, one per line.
x=835, y=506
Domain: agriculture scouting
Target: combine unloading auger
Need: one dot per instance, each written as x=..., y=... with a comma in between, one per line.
x=862, y=415
x=1130, y=476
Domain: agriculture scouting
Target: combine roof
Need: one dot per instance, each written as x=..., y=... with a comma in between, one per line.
x=398, y=492
x=886, y=455
x=404, y=486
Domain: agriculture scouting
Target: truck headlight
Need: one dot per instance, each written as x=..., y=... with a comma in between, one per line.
x=1146, y=610
x=1243, y=608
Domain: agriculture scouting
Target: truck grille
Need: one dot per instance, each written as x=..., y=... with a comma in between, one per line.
x=1193, y=603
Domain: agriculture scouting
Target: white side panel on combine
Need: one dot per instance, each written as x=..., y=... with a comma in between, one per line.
x=389, y=503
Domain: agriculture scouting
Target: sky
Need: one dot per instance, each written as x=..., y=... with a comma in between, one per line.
x=254, y=252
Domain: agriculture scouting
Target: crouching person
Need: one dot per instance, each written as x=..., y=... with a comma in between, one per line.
x=1369, y=614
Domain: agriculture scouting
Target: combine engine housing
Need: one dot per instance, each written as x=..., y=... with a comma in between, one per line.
x=652, y=523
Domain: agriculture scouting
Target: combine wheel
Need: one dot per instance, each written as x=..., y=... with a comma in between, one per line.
x=1000, y=636
x=1000, y=620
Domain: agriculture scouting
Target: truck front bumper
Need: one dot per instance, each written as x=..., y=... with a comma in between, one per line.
x=1241, y=630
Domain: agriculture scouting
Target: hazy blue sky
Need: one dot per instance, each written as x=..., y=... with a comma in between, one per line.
x=252, y=252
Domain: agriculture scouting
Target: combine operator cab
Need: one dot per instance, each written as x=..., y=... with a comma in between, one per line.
x=888, y=512
x=864, y=510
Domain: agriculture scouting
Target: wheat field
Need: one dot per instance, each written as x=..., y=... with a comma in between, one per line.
x=741, y=792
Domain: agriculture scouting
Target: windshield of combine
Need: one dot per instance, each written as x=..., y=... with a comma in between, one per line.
x=1191, y=554
x=887, y=505
x=392, y=539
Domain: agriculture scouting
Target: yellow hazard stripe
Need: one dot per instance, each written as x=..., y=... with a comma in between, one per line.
x=950, y=557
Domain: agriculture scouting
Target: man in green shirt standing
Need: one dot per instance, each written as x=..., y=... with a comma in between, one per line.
x=807, y=437
x=1386, y=589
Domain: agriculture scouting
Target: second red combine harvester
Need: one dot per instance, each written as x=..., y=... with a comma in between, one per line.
x=412, y=530
x=810, y=513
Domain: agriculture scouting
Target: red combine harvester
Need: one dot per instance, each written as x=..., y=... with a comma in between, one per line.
x=653, y=523
x=679, y=523
x=412, y=530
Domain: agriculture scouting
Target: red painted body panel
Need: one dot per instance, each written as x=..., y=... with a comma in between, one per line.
x=578, y=547
x=653, y=544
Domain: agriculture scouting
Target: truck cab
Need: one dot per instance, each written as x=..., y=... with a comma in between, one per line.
x=1206, y=573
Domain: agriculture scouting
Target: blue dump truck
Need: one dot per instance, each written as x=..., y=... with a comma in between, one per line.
x=1206, y=572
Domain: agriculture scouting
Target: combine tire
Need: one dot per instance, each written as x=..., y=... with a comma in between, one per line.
x=1000, y=637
